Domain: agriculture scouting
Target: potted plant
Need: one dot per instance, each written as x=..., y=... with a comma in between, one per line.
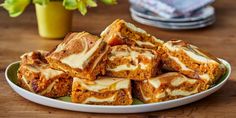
x=54, y=17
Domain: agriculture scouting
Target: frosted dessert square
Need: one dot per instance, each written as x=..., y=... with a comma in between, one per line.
x=167, y=86
x=191, y=61
x=81, y=55
x=36, y=76
x=121, y=32
x=102, y=91
x=132, y=62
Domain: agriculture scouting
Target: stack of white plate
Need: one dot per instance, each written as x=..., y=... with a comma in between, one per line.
x=201, y=18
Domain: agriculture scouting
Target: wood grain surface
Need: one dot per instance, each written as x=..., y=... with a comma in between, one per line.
x=19, y=35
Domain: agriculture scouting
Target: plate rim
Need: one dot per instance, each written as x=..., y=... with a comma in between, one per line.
x=170, y=27
x=112, y=107
x=191, y=19
x=179, y=24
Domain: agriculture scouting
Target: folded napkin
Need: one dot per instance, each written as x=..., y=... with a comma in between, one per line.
x=172, y=8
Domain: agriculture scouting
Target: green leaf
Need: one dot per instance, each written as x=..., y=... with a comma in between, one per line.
x=41, y=2
x=82, y=7
x=70, y=4
x=109, y=2
x=91, y=3
x=15, y=7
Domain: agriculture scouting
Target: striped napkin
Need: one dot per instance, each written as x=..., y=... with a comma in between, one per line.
x=172, y=8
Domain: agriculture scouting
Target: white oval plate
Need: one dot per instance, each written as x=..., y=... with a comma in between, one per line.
x=199, y=22
x=170, y=26
x=204, y=14
x=11, y=71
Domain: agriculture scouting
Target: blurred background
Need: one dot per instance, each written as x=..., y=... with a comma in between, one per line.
x=20, y=34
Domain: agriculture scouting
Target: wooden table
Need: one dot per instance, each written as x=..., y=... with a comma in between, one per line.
x=19, y=35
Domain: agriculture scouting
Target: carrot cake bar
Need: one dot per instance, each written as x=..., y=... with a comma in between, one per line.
x=167, y=86
x=132, y=62
x=36, y=76
x=102, y=91
x=191, y=61
x=121, y=32
x=81, y=55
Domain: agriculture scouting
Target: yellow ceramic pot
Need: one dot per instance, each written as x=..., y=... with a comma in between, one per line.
x=54, y=21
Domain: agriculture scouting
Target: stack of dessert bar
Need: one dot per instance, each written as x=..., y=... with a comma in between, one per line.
x=125, y=62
